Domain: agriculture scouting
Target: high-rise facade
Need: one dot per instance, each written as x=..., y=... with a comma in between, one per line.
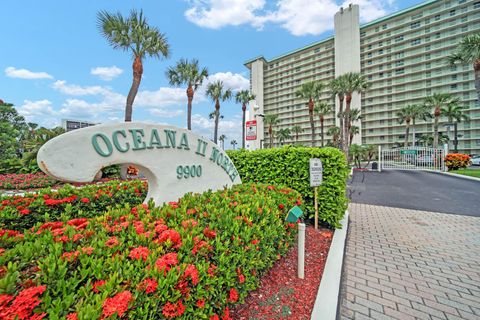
x=403, y=57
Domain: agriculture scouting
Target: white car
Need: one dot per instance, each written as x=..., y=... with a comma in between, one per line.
x=475, y=160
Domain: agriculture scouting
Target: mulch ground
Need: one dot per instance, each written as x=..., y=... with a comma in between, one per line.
x=281, y=294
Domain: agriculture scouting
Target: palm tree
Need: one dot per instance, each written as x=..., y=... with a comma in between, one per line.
x=217, y=93
x=437, y=102
x=338, y=88
x=310, y=91
x=353, y=130
x=321, y=110
x=135, y=35
x=284, y=134
x=233, y=143
x=244, y=97
x=455, y=114
x=419, y=111
x=353, y=116
x=427, y=139
x=335, y=133
x=297, y=130
x=468, y=52
x=187, y=73
x=271, y=120
x=354, y=82
x=405, y=115
x=222, y=140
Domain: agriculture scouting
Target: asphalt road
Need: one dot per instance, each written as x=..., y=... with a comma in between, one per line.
x=416, y=190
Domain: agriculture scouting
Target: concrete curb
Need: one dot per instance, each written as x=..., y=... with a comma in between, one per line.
x=461, y=176
x=328, y=293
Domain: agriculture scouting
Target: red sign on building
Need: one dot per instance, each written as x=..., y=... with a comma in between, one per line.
x=251, y=130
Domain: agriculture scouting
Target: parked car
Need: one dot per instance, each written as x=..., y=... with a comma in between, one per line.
x=475, y=160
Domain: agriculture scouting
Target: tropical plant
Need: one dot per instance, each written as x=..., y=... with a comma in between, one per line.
x=13, y=131
x=438, y=102
x=311, y=92
x=353, y=130
x=244, y=97
x=271, y=120
x=133, y=34
x=233, y=143
x=405, y=115
x=427, y=140
x=353, y=115
x=190, y=74
x=419, y=111
x=364, y=152
x=321, y=110
x=222, y=139
x=338, y=87
x=455, y=113
x=335, y=133
x=216, y=92
x=297, y=130
x=284, y=134
x=468, y=52
x=455, y=161
x=33, y=144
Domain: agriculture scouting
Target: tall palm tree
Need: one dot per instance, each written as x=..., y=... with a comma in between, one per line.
x=244, y=97
x=217, y=93
x=321, y=110
x=297, y=130
x=187, y=73
x=233, y=143
x=354, y=82
x=353, y=115
x=133, y=34
x=405, y=115
x=284, y=134
x=338, y=88
x=310, y=91
x=271, y=120
x=455, y=113
x=353, y=130
x=468, y=52
x=437, y=102
x=222, y=140
x=335, y=133
x=419, y=111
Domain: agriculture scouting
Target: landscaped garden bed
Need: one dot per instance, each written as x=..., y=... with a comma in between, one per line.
x=195, y=258
x=19, y=181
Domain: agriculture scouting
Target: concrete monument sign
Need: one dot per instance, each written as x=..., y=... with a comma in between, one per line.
x=174, y=160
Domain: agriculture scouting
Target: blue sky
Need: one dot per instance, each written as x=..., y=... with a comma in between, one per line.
x=55, y=64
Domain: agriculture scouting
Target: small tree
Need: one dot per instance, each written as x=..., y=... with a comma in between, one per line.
x=233, y=143
x=217, y=93
x=321, y=110
x=244, y=97
x=297, y=130
x=271, y=120
x=283, y=134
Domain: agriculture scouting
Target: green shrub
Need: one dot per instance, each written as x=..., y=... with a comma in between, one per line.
x=290, y=166
x=191, y=259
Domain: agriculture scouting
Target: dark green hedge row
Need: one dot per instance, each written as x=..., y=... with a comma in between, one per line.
x=290, y=166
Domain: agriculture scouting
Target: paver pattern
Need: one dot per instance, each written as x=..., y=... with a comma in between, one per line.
x=410, y=264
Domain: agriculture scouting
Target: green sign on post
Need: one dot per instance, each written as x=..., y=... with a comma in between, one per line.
x=294, y=214
x=413, y=151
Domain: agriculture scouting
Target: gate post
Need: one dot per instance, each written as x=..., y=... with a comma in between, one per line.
x=379, y=158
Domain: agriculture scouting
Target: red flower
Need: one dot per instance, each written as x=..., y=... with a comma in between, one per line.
x=173, y=204
x=281, y=206
x=226, y=314
x=24, y=211
x=139, y=253
x=111, y=242
x=214, y=317
x=201, y=303
x=97, y=285
x=211, y=270
x=118, y=304
x=171, y=235
x=270, y=187
x=209, y=233
x=72, y=316
x=241, y=278
x=192, y=273
x=172, y=310
x=70, y=256
x=233, y=295
x=80, y=223
x=255, y=241
x=85, y=200
x=87, y=250
x=149, y=285
x=166, y=261
x=23, y=305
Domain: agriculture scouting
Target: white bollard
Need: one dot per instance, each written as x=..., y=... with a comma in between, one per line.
x=301, y=250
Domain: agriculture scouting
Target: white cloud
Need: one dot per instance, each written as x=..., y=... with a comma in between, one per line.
x=40, y=111
x=231, y=128
x=299, y=17
x=162, y=97
x=166, y=113
x=106, y=73
x=234, y=81
x=26, y=74
x=76, y=90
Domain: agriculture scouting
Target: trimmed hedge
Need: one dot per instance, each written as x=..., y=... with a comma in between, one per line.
x=289, y=166
x=190, y=259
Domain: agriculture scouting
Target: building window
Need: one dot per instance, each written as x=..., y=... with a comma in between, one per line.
x=399, y=63
x=476, y=5
x=369, y=62
x=419, y=15
x=317, y=50
x=464, y=28
x=427, y=30
x=437, y=17
x=398, y=38
x=454, y=77
x=427, y=56
x=427, y=21
x=399, y=55
x=461, y=1
x=400, y=71
x=414, y=42
x=452, y=13
x=380, y=51
x=377, y=29
x=415, y=25
x=363, y=34
x=369, y=47
x=382, y=137
x=380, y=74
x=369, y=55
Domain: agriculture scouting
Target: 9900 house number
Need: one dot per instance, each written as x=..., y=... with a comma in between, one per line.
x=185, y=172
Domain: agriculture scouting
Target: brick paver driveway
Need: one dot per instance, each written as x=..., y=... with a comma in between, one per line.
x=409, y=264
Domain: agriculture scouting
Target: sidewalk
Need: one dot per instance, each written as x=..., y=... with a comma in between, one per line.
x=408, y=264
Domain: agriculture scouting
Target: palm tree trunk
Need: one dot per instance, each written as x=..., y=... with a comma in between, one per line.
x=217, y=116
x=312, y=124
x=407, y=132
x=270, y=132
x=348, y=101
x=137, y=78
x=190, y=94
x=321, y=129
x=435, y=132
x=340, y=111
x=455, y=138
x=413, y=132
x=244, y=108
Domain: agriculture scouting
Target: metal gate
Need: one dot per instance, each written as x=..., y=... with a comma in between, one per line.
x=412, y=158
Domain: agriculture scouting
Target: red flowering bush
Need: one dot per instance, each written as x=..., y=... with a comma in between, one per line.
x=23, y=212
x=191, y=261
x=25, y=181
x=455, y=161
